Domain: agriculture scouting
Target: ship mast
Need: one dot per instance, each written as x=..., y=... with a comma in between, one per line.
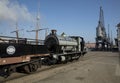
x=38, y=24
x=17, y=32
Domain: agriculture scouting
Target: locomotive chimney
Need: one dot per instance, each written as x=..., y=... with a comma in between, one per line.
x=53, y=31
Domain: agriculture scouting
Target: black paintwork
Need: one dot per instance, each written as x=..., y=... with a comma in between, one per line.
x=22, y=49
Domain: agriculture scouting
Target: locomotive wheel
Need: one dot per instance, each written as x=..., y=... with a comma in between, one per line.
x=30, y=68
x=71, y=58
x=63, y=59
x=77, y=57
x=66, y=60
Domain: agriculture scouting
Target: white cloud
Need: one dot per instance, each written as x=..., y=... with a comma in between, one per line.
x=12, y=11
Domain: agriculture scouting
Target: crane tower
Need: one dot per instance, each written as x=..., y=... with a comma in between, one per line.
x=101, y=36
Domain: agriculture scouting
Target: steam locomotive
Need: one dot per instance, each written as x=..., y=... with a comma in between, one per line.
x=24, y=55
x=64, y=48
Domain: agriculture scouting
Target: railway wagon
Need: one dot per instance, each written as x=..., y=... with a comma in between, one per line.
x=20, y=54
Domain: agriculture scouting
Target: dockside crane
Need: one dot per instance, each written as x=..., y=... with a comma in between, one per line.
x=101, y=36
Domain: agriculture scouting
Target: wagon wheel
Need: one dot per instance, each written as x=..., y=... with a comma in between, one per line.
x=30, y=68
x=6, y=71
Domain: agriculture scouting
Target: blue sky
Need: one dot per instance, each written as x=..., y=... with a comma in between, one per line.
x=74, y=17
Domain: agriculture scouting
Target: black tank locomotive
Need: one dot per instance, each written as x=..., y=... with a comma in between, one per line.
x=64, y=48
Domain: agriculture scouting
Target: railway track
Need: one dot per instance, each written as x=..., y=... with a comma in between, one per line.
x=18, y=75
x=46, y=68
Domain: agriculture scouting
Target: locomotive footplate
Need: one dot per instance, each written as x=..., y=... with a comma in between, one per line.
x=65, y=57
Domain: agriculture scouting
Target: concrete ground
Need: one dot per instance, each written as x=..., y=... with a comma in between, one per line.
x=94, y=67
